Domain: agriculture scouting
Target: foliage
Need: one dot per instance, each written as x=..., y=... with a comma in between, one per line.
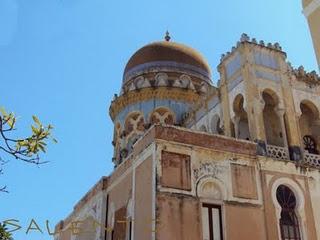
x=4, y=234
x=26, y=149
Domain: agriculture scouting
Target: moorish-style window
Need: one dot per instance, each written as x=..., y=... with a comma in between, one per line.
x=310, y=144
x=289, y=224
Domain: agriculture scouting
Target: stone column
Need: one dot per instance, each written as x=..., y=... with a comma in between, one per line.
x=224, y=98
x=280, y=112
x=236, y=121
x=292, y=114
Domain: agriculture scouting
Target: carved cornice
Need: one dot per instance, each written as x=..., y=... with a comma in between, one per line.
x=141, y=95
x=169, y=66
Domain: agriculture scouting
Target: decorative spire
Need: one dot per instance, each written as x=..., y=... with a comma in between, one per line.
x=167, y=37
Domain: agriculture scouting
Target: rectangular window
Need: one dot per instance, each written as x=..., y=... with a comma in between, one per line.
x=211, y=222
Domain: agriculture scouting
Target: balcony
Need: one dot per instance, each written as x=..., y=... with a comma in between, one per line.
x=312, y=159
x=277, y=152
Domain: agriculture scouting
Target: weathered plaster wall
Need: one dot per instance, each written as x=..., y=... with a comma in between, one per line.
x=178, y=217
x=143, y=217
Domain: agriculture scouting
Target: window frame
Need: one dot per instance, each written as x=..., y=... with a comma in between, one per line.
x=211, y=206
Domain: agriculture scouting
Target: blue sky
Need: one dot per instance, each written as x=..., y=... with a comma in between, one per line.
x=63, y=61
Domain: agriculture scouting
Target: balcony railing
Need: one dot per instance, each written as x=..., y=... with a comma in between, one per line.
x=312, y=159
x=282, y=153
x=277, y=152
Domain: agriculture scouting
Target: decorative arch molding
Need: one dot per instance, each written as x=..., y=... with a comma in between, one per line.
x=185, y=80
x=161, y=79
x=142, y=82
x=300, y=97
x=162, y=115
x=300, y=199
x=134, y=123
x=237, y=97
x=312, y=106
x=237, y=102
x=275, y=95
x=239, y=89
x=211, y=188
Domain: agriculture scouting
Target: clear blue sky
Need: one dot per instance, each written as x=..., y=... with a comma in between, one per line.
x=63, y=61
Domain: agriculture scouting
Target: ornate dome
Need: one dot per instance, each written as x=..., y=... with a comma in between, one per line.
x=169, y=55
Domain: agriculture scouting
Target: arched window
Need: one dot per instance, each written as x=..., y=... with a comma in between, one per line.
x=289, y=224
x=309, y=126
x=310, y=144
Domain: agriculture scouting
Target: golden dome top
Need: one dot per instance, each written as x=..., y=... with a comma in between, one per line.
x=167, y=51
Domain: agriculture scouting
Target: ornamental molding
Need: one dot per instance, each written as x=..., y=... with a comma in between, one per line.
x=170, y=66
x=208, y=170
x=132, y=97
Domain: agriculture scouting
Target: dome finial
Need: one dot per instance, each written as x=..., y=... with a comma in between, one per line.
x=167, y=37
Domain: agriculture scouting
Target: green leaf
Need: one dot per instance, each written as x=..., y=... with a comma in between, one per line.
x=54, y=140
x=34, y=129
x=3, y=111
x=36, y=120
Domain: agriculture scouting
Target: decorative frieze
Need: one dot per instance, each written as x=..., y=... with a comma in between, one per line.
x=208, y=169
x=132, y=97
